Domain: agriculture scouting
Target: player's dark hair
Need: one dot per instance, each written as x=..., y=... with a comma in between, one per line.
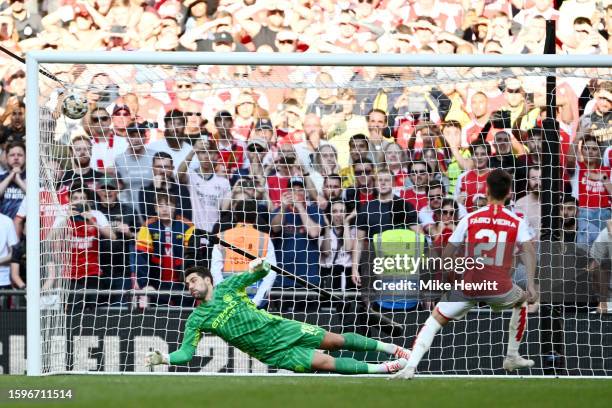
x=499, y=183
x=201, y=271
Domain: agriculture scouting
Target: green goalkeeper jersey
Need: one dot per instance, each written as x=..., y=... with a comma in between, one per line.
x=231, y=315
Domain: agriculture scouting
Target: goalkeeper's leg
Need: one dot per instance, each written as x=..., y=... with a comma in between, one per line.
x=357, y=342
x=324, y=362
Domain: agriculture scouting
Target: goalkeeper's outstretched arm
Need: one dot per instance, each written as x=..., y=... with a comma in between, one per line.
x=181, y=356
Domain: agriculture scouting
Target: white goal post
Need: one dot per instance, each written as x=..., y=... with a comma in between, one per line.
x=37, y=348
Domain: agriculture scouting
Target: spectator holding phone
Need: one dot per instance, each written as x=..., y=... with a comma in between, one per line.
x=115, y=253
x=85, y=228
x=597, y=122
x=297, y=227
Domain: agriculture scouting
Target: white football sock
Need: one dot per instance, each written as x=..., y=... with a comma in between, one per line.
x=423, y=341
x=518, y=324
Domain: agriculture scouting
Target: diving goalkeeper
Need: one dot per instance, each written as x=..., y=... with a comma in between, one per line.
x=227, y=312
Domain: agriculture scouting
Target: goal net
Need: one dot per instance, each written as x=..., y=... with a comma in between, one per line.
x=350, y=177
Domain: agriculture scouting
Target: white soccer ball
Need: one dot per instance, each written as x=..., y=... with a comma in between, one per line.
x=74, y=106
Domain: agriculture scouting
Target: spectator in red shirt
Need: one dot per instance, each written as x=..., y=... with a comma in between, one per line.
x=85, y=228
x=364, y=188
x=592, y=188
x=446, y=218
x=474, y=181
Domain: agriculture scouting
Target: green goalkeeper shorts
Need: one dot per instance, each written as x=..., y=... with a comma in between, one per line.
x=293, y=345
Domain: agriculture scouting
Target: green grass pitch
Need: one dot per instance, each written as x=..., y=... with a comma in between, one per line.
x=311, y=391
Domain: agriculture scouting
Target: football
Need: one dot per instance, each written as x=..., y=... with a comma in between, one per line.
x=74, y=106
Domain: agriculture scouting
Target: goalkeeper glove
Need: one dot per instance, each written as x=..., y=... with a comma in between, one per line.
x=156, y=357
x=259, y=265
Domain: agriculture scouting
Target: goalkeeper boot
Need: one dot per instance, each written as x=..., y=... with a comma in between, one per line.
x=407, y=373
x=395, y=365
x=512, y=363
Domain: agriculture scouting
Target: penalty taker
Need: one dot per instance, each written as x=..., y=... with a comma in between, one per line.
x=226, y=311
x=498, y=230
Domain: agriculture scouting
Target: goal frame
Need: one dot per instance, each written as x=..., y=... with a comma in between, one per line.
x=35, y=58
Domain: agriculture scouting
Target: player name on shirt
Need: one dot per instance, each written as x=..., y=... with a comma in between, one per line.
x=494, y=221
x=491, y=234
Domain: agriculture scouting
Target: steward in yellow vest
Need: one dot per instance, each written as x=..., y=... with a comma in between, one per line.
x=396, y=267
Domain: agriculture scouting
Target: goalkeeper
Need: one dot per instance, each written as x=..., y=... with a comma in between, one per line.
x=227, y=312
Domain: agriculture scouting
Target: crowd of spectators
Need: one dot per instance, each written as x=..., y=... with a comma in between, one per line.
x=166, y=155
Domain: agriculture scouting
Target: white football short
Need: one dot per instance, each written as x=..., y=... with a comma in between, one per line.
x=454, y=305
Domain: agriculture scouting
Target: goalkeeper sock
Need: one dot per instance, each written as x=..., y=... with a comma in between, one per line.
x=351, y=366
x=423, y=341
x=518, y=322
x=357, y=342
